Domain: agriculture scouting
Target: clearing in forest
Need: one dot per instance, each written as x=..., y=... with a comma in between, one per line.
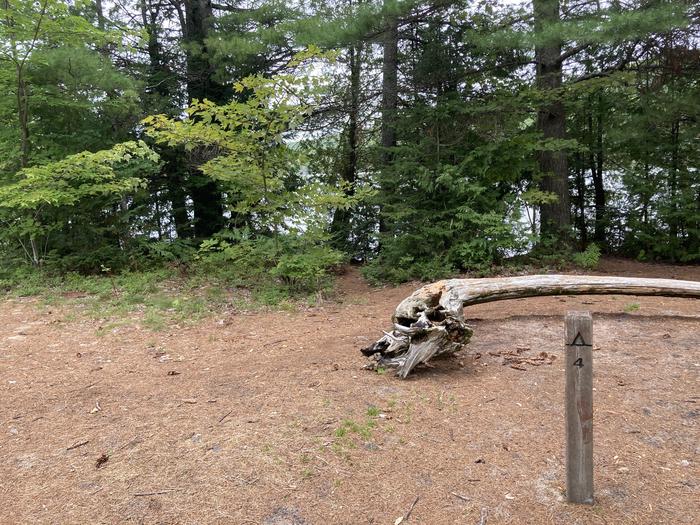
x=269, y=418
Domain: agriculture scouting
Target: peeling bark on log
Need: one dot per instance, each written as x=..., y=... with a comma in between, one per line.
x=430, y=322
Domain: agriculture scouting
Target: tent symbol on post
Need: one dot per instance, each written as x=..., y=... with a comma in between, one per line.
x=579, y=341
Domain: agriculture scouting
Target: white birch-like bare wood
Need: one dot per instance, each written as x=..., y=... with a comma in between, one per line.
x=430, y=322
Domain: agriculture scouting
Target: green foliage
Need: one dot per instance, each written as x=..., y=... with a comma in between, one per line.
x=299, y=264
x=66, y=214
x=79, y=101
x=245, y=146
x=348, y=427
x=179, y=252
x=284, y=158
x=549, y=253
x=593, y=26
x=631, y=307
x=309, y=270
x=447, y=200
x=657, y=146
x=52, y=71
x=589, y=258
x=373, y=411
x=109, y=173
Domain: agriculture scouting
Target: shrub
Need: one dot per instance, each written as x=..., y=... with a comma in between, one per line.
x=293, y=263
x=589, y=258
x=307, y=271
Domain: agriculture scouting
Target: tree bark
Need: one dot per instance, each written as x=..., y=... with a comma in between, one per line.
x=555, y=216
x=178, y=198
x=100, y=15
x=340, y=226
x=158, y=70
x=199, y=16
x=167, y=98
x=431, y=322
x=597, y=175
x=581, y=201
x=390, y=96
x=673, y=221
x=23, y=116
x=204, y=192
x=19, y=59
x=390, y=87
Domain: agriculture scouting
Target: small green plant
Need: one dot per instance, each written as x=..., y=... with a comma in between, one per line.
x=631, y=307
x=372, y=411
x=307, y=271
x=349, y=428
x=154, y=320
x=108, y=272
x=549, y=253
x=275, y=268
x=589, y=258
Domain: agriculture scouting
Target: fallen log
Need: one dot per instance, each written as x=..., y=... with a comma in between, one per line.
x=430, y=322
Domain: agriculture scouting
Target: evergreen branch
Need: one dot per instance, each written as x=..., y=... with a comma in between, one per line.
x=571, y=52
x=231, y=9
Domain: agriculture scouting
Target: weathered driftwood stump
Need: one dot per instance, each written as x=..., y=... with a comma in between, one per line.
x=430, y=322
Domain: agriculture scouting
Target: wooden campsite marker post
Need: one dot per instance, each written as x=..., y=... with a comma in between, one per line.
x=579, y=407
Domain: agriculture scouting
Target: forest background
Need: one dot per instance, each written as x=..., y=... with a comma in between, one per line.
x=260, y=145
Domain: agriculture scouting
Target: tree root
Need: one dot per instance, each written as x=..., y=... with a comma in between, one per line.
x=430, y=322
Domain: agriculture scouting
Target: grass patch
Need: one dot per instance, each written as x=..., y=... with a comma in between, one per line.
x=631, y=307
x=155, y=298
x=350, y=432
x=373, y=411
x=348, y=427
x=154, y=320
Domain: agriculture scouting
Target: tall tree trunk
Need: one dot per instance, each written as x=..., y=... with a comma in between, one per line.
x=390, y=93
x=341, y=227
x=673, y=221
x=100, y=15
x=174, y=160
x=646, y=193
x=149, y=18
x=597, y=173
x=178, y=201
x=200, y=82
x=22, y=99
x=390, y=87
x=581, y=200
x=694, y=228
x=23, y=117
x=554, y=217
x=204, y=192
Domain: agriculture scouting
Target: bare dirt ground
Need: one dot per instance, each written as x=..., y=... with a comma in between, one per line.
x=268, y=418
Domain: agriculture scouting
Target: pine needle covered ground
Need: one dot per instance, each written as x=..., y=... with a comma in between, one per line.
x=268, y=417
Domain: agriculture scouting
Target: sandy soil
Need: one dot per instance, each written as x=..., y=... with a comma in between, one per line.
x=268, y=418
